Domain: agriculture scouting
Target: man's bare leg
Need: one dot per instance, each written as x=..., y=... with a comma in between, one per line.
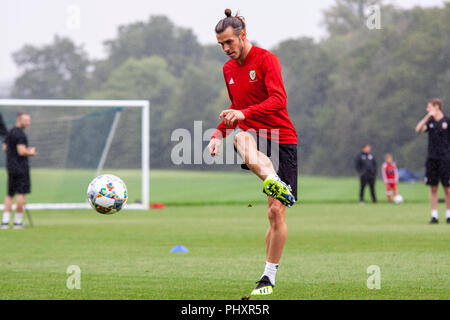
x=277, y=232
x=8, y=203
x=18, y=215
x=20, y=202
x=447, y=203
x=434, y=199
x=275, y=240
x=255, y=160
x=276, y=235
x=7, y=211
x=262, y=166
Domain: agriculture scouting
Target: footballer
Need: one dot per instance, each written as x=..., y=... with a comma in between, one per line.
x=259, y=105
x=437, y=166
x=389, y=172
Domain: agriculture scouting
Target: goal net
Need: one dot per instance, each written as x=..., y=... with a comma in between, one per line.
x=77, y=140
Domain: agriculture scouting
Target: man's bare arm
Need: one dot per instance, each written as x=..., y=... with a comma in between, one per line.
x=422, y=125
x=4, y=147
x=23, y=151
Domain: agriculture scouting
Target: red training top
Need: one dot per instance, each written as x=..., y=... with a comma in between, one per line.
x=390, y=173
x=256, y=88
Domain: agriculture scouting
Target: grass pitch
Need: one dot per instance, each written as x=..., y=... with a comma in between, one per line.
x=332, y=241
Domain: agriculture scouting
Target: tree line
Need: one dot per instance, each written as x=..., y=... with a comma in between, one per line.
x=356, y=85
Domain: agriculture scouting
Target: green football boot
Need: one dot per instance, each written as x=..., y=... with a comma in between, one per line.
x=279, y=190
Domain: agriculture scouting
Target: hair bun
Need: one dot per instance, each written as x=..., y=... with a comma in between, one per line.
x=228, y=12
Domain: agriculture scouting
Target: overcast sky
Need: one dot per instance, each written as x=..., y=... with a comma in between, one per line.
x=269, y=21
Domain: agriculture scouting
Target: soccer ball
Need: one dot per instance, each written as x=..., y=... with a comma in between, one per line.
x=107, y=194
x=398, y=199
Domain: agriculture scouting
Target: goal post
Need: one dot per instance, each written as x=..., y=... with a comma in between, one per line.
x=81, y=139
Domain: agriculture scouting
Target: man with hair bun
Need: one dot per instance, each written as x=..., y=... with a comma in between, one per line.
x=436, y=124
x=259, y=106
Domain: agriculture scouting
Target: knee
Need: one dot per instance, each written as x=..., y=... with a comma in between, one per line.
x=20, y=201
x=447, y=192
x=434, y=190
x=276, y=215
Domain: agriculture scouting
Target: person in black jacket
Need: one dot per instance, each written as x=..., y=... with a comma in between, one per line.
x=366, y=166
x=3, y=130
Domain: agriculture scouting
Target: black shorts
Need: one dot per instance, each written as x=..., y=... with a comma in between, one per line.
x=18, y=183
x=437, y=170
x=287, y=164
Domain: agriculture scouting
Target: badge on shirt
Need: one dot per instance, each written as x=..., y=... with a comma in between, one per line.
x=445, y=125
x=252, y=75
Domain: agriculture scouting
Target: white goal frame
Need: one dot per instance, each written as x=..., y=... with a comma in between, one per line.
x=145, y=144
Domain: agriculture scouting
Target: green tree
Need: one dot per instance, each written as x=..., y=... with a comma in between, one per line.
x=357, y=85
x=306, y=69
x=346, y=16
x=159, y=36
x=147, y=79
x=381, y=86
x=58, y=70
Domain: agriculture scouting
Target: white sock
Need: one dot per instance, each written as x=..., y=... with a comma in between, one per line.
x=448, y=214
x=18, y=217
x=435, y=214
x=270, y=271
x=273, y=177
x=6, y=217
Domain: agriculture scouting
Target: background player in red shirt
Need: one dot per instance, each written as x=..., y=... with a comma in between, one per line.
x=258, y=102
x=390, y=176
